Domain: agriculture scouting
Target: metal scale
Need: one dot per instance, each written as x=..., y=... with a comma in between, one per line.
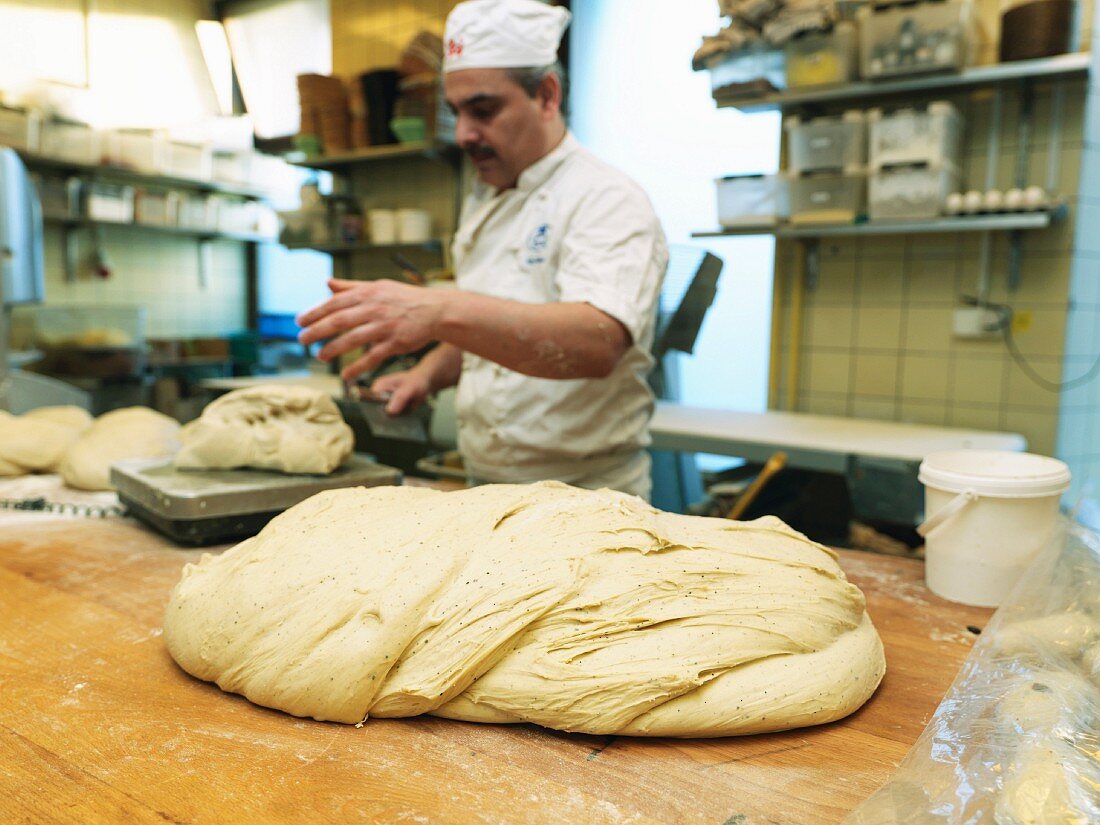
x=207, y=506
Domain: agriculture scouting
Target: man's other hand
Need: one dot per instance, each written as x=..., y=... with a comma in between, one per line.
x=407, y=389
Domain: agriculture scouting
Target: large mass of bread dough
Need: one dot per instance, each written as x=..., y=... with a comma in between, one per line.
x=132, y=432
x=36, y=441
x=275, y=427
x=574, y=609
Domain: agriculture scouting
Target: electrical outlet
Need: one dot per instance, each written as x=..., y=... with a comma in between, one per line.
x=976, y=322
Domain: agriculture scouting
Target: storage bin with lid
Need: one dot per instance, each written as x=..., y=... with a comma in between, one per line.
x=752, y=200
x=914, y=192
x=827, y=143
x=109, y=202
x=828, y=197
x=59, y=196
x=19, y=129
x=823, y=58
x=918, y=38
x=70, y=141
x=153, y=208
x=191, y=161
x=987, y=514
x=140, y=150
x=932, y=136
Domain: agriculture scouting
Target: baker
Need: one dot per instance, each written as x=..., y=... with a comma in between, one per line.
x=558, y=262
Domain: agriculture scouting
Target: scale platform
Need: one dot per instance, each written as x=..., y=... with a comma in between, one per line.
x=209, y=506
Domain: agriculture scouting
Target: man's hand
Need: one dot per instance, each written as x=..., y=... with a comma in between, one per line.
x=407, y=389
x=386, y=317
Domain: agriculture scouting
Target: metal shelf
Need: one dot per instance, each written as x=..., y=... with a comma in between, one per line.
x=362, y=246
x=975, y=223
x=434, y=150
x=1066, y=65
x=179, y=231
x=120, y=175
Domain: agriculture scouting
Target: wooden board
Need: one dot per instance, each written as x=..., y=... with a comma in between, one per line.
x=98, y=724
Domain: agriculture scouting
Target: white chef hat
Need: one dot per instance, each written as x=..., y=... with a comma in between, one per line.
x=503, y=34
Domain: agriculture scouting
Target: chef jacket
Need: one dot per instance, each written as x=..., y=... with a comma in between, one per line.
x=573, y=229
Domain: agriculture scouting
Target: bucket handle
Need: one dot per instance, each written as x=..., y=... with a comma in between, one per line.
x=947, y=511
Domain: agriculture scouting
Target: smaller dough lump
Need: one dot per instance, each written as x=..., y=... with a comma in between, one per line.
x=277, y=427
x=132, y=432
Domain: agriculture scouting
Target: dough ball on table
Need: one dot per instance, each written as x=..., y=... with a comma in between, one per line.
x=573, y=609
x=132, y=432
x=1060, y=634
x=36, y=441
x=285, y=428
x=1050, y=783
x=1050, y=701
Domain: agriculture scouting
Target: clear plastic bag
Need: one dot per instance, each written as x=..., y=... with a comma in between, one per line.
x=1016, y=738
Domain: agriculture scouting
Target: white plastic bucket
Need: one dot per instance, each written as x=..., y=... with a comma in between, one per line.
x=987, y=513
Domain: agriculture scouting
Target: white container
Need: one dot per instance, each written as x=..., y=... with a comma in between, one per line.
x=19, y=129
x=382, y=226
x=109, y=202
x=828, y=198
x=917, y=39
x=827, y=143
x=413, y=226
x=140, y=150
x=232, y=167
x=911, y=192
x=197, y=212
x=191, y=161
x=987, y=514
x=156, y=208
x=823, y=58
x=752, y=200
x=932, y=136
x=69, y=141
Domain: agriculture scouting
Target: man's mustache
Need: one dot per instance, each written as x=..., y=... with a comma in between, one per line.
x=480, y=152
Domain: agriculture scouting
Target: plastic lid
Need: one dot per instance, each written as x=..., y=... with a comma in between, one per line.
x=995, y=473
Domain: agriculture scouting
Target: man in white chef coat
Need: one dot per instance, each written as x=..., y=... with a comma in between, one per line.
x=558, y=262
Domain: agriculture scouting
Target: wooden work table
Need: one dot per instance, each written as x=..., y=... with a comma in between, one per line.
x=98, y=724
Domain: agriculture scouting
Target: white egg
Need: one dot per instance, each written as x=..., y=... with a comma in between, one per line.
x=993, y=200
x=1014, y=199
x=1035, y=197
x=972, y=202
x=954, y=203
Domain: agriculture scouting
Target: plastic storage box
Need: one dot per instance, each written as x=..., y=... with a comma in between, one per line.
x=60, y=197
x=101, y=325
x=824, y=58
x=833, y=143
x=141, y=150
x=914, y=39
x=157, y=208
x=100, y=341
x=828, y=197
x=932, y=136
x=911, y=192
x=19, y=129
x=190, y=161
x=752, y=200
x=196, y=212
x=232, y=167
x=756, y=70
x=69, y=141
x=109, y=202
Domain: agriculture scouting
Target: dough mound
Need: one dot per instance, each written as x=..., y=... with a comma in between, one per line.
x=285, y=428
x=36, y=441
x=574, y=609
x=132, y=432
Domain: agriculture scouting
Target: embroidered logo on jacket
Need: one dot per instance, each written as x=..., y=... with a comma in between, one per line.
x=537, y=243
